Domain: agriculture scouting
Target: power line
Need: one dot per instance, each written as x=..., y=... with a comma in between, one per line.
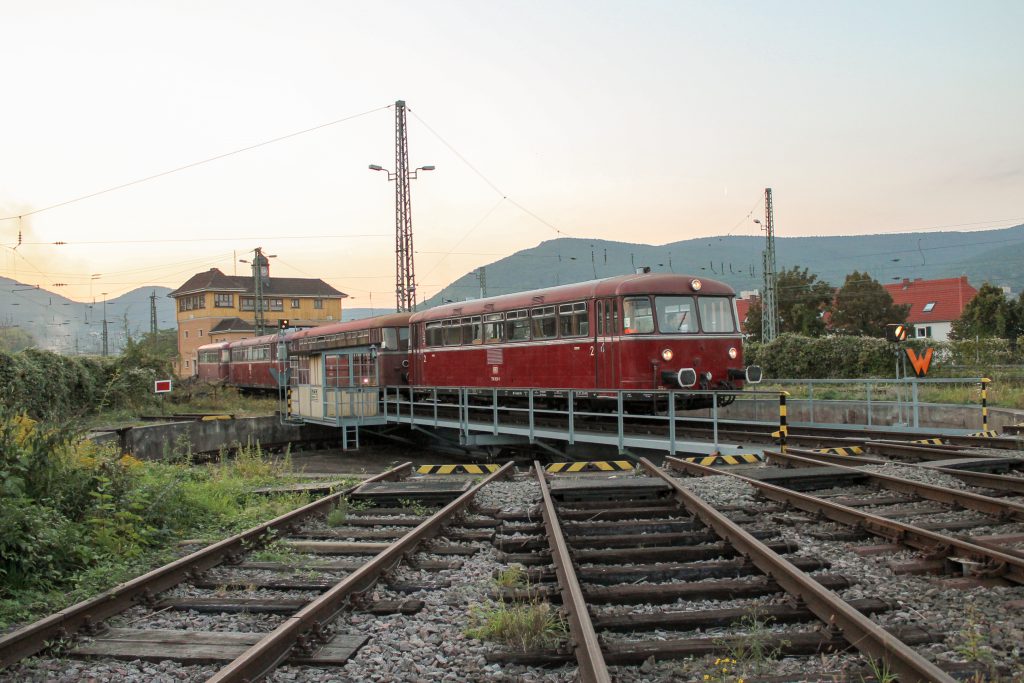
x=485, y=178
x=62, y=243
x=196, y=163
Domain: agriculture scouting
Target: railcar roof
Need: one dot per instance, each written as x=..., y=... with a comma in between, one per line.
x=389, y=320
x=215, y=346
x=622, y=285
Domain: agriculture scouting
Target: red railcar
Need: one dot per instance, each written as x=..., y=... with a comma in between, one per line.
x=385, y=337
x=252, y=360
x=213, y=361
x=634, y=332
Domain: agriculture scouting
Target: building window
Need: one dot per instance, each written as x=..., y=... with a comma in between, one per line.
x=200, y=333
x=186, y=336
x=924, y=331
x=275, y=304
x=224, y=300
x=191, y=303
x=247, y=303
x=318, y=304
x=929, y=306
x=295, y=303
x=186, y=364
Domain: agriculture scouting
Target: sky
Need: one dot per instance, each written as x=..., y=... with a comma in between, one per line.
x=646, y=122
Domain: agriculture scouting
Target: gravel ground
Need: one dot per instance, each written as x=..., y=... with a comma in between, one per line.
x=978, y=623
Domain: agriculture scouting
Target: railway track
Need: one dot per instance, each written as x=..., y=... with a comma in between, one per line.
x=263, y=614
x=644, y=580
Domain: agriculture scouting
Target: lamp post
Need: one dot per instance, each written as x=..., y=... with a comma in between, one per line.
x=405, y=270
x=405, y=274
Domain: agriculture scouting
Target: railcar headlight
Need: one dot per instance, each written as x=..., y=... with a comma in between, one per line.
x=666, y=355
x=695, y=283
x=733, y=352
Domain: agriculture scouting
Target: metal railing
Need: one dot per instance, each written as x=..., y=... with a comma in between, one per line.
x=912, y=405
x=568, y=415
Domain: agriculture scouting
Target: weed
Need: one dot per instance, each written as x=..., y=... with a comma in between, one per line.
x=273, y=552
x=724, y=670
x=338, y=516
x=880, y=671
x=973, y=644
x=513, y=577
x=521, y=626
x=755, y=650
x=415, y=507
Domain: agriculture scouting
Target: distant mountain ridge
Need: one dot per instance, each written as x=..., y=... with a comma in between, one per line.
x=60, y=324
x=995, y=256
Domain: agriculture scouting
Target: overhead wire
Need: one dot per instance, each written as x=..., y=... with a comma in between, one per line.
x=195, y=164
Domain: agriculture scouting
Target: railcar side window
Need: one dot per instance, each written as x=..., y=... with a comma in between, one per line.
x=545, y=325
x=716, y=314
x=389, y=339
x=517, y=325
x=494, y=328
x=676, y=314
x=452, y=332
x=572, y=320
x=637, y=317
x=472, y=330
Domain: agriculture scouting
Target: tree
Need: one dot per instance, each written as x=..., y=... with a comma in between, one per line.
x=863, y=307
x=991, y=314
x=802, y=299
x=156, y=351
x=14, y=339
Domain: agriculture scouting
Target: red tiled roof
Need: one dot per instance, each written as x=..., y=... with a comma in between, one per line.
x=948, y=295
x=213, y=279
x=742, y=307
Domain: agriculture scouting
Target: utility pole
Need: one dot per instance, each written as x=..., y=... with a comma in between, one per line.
x=152, y=313
x=481, y=274
x=260, y=269
x=105, y=347
x=769, y=302
x=405, y=270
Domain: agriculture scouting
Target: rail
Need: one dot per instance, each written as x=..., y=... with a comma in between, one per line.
x=311, y=625
x=858, y=630
x=32, y=638
x=592, y=667
x=993, y=562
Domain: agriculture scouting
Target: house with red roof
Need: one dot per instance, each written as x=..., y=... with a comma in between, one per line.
x=934, y=304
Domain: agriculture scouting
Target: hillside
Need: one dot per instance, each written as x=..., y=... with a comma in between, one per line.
x=60, y=324
x=995, y=256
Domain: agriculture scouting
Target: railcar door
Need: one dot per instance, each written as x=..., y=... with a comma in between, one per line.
x=606, y=315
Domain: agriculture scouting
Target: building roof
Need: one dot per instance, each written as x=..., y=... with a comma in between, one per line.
x=232, y=325
x=214, y=280
x=933, y=300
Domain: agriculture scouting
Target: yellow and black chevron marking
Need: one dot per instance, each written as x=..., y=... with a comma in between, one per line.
x=457, y=469
x=984, y=404
x=845, y=450
x=590, y=466
x=936, y=441
x=988, y=434
x=783, y=427
x=712, y=460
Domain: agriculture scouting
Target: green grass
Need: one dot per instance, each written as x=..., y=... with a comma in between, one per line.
x=521, y=626
x=1006, y=393
x=77, y=518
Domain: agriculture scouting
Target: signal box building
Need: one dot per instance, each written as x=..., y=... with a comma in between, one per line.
x=214, y=307
x=934, y=304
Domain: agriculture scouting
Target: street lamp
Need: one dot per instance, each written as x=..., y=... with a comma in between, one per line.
x=405, y=270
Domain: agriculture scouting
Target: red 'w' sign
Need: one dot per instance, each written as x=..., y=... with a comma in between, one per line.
x=921, y=364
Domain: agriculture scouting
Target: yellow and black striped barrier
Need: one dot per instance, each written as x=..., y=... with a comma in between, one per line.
x=485, y=468
x=936, y=441
x=590, y=466
x=987, y=434
x=783, y=428
x=984, y=403
x=719, y=459
x=844, y=450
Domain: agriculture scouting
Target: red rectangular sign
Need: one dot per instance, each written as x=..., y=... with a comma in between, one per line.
x=162, y=386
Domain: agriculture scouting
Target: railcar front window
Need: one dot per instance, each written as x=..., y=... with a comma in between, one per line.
x=716, y=314
x=676, y=314
x=637, y=317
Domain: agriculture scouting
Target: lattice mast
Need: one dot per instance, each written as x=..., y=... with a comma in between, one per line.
x=152, y=312
x=769, y=301
x=405, y=270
